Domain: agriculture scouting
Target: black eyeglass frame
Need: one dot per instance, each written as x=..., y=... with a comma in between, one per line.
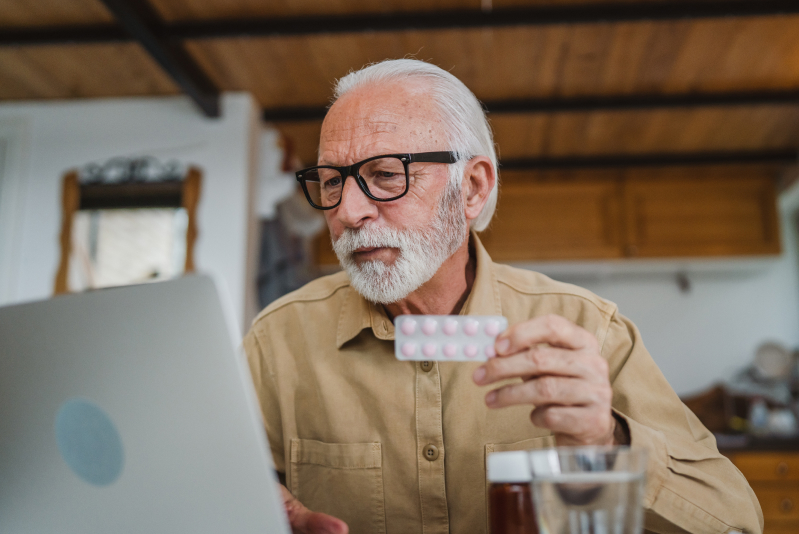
x=352, y=170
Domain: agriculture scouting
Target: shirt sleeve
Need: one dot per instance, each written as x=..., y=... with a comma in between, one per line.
x=690, y=486
x=266, y=389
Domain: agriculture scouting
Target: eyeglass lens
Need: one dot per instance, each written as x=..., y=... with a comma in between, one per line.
x=384, y=177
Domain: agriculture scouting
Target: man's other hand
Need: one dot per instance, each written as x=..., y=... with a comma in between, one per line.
x=304, y=521
x=563, y=376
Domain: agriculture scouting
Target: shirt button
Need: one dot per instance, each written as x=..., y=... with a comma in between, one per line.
x=430, y=453
x=426, y=366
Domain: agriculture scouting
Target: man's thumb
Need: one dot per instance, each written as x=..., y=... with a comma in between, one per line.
x=319, y=523
x=303, y=521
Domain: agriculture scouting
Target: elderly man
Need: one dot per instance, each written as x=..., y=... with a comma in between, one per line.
x=406, y=177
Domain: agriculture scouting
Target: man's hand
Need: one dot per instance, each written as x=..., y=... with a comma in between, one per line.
x=563, y=375
x=304, y=521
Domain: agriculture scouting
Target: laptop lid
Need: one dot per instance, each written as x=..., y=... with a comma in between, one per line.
x=128, y=410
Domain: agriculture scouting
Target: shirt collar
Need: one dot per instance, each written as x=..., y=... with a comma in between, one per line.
x=357, y=313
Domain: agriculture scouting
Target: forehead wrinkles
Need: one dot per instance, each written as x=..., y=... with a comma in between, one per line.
x=373, y=120
x=347, y=137
x=344, y=129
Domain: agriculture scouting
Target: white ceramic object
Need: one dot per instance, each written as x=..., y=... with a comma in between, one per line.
x=773, y=361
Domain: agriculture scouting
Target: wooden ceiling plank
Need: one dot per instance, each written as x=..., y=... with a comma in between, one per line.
x=661, y=45
x=22, y=75
x=80, y=71
x=763, y=60
x=630, y=132
x=584, y=58
x=43, y=13
x=717, y=54
x=673, y=130
x=691, y=71
x=531, y=80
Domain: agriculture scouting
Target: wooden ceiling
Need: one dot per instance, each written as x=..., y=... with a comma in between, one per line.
x=80, y=49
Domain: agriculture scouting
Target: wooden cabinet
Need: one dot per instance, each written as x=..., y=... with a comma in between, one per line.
x=710, y=215
x=557, y=220
x=674, y=212
x=774, y=477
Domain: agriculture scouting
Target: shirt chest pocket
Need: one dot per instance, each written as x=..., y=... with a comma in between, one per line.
x=344, y=480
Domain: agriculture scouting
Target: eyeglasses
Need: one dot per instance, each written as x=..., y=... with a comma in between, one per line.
x=381, y=178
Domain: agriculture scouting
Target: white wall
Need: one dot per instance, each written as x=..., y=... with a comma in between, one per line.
x=702, y=336
x=50, y=138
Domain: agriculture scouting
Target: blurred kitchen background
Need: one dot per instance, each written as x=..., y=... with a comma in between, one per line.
x=648, y=152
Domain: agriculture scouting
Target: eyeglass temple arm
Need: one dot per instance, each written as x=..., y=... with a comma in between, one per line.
x=433, y=157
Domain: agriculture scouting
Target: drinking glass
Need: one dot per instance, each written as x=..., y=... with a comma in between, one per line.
x=588, y=490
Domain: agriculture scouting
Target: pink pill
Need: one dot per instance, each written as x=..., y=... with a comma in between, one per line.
x=450, y=327
x=429, y=349
x=449, y=350
x=429, y=327
x=490, y=352
x=408, y=327
x=409, y=349
x=470, y=351
x=470, y=328
x=492, y=328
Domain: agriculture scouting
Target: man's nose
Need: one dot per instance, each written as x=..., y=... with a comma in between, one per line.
x=355, y=208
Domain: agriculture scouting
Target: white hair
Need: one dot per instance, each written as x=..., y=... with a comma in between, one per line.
x=463, y=116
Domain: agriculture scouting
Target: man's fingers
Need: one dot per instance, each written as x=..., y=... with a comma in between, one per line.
x=319, y=523
x=550, y=329
x=303, y=521
x=542, y=360
x=547, y=390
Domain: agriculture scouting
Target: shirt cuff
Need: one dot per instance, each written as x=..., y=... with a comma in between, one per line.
x=654, y=442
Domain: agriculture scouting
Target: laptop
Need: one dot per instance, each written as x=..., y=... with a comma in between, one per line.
x=128, y=410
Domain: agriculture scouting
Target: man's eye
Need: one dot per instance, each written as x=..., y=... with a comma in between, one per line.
x=333, y=182
x=387, y=174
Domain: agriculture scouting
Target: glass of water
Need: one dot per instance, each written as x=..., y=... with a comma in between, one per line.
x=588, y=490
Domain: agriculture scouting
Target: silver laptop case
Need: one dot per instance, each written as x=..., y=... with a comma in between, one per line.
x=128, y=410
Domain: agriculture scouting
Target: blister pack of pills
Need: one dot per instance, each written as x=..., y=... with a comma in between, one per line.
x=455, y=338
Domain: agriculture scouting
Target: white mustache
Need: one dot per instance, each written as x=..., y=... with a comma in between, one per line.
x=368, y=237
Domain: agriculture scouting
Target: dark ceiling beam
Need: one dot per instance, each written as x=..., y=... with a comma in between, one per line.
x=663, y=10
x=139, y=19
x=64, y=35
x=585, y=104
x=768, y=157
x=461, y=19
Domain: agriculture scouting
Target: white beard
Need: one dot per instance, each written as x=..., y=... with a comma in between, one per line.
x=422, y=251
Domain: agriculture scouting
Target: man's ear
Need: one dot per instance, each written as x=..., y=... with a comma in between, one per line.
x=479, y=178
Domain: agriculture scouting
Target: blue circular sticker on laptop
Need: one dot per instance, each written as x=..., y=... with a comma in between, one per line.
x=88, y=441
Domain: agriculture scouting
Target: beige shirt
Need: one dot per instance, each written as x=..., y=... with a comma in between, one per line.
x=400, y=447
